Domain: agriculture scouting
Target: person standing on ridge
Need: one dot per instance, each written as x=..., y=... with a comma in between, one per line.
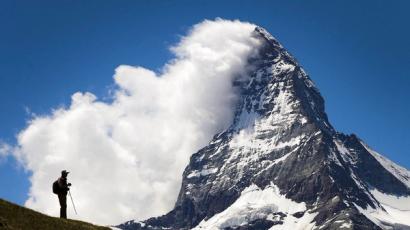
x=61, y=188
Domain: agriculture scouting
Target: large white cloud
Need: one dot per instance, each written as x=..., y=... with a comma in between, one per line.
x=126, y=157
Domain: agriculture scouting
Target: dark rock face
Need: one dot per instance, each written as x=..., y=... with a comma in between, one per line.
x=280, y=135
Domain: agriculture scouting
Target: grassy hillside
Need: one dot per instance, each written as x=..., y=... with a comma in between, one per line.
x=18, y=218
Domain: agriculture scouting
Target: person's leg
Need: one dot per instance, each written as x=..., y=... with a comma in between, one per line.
x=63, y=205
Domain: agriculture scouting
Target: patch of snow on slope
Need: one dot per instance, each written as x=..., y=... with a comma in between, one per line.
x=399, y=172
x=247, y=139
x=344, y=152
x=203, y=172
x=346, y=225
x=282, y=67
x=277, y=161
x=256, y=203
x=248, y=148
x=396, y=209
x=291, y=222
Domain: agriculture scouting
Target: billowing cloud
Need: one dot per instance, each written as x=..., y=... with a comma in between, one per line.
x=126, y=157
x=5, y=150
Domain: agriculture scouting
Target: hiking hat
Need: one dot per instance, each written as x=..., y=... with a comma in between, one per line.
x=64, y=172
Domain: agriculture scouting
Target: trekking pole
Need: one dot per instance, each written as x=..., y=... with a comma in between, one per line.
x=69, y=192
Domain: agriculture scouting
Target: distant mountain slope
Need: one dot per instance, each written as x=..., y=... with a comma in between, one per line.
x=16, y=217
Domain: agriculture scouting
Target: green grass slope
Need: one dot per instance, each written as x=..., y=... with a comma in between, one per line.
x=16, y=217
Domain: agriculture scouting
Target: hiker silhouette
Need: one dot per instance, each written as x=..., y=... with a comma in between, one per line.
x=61, y=188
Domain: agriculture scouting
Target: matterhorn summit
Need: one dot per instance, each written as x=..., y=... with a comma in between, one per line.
x=281, y=164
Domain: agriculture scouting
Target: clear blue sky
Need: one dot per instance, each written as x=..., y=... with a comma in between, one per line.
x=357, y=52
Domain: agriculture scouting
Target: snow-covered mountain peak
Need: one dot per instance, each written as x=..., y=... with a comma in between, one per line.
x=267, y=36
x=278, y=90
x=281, y=165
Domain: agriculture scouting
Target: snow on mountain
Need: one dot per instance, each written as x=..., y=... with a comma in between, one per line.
x=281, y=164
x=255, y=204
x=395, y=209
x=392, y=211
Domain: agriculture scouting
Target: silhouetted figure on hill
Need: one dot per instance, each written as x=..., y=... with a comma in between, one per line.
x=61, y=187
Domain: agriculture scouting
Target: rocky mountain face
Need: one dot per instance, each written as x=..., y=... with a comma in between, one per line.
x=281, y=164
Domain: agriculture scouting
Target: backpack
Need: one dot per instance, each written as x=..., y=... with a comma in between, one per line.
x=56, y=187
